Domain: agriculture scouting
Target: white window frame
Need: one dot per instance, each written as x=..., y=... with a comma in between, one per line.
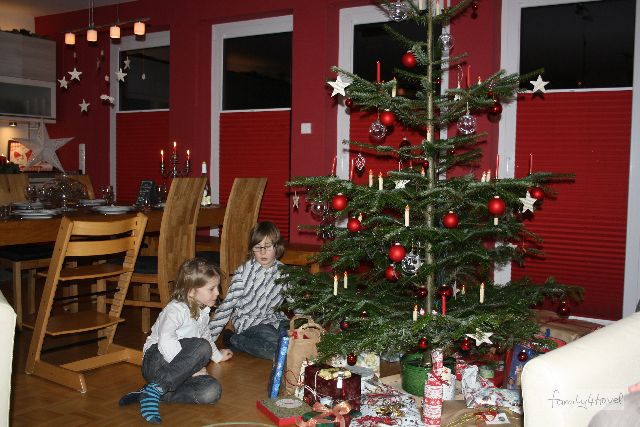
x=510, y=61
x=220, y=32
x=161, y=38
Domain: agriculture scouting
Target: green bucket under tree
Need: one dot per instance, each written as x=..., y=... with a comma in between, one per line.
x=415, y=373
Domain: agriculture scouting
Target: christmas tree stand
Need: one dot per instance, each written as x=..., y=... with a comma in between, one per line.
x=414, y=373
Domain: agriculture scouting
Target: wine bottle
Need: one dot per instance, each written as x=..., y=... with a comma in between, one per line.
x=206, y=193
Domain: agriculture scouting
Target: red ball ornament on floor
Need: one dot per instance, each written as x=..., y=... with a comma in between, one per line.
x=423, y=343
x=351, y=359
x=422, y=292
x=496, y=108
x=523, y=356
x=465, y=344
x=339, y=202
x=496, y=206
x=397, y=252
x=344, y=325
x=391, y=274
x=445, y=291
x=536, y=193
x=354, y=225
x=563, y=309
x=348, y=102
x=387, y=118
x=450, y=220
x=409, y=60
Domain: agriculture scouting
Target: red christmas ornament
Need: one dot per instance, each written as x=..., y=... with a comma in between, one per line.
x=445, y=291
x=437, y=80
x=465, y=344
x=496, y=108
x=422, y=292
x=354, y=225
x=425, y=164
x=563, y=309
x=523, y=356
x=387, y=118
x=496, y=206
x=339, y=202
x=536, y=193
x=490, y=94
x=391, y=274
x=409, y=60
x=344, y=325
x=405, y=143
x=364, y=314
x=475, y=6
x=397, y=252
x=423, y=343
x=450, y=220
x=348, y=102
x=351, y=359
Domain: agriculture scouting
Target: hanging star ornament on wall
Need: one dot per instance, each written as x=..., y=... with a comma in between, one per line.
x=120, y=75
x=339, y=85
x=44, y=148
x=481, y=337
x=527, y=202
x=539, y=84
x=75, y=74
x=63, y=82
x=127, y=63
x=84, y=107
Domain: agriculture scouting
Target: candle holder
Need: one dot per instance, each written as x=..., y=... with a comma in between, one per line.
x=175, y=171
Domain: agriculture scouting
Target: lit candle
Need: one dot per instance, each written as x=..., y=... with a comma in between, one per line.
x=174, y=147
x=344, y=280
x=497, y=165
x=378, y=71
x=484, y=177
x=438, y=12
x=488, y=175
x=370, y=178
x=188, y=155
x=415, y=312
x=351, y=169
x=464, y=289
x=530, y=163
x=406, y=216
x=380, y=181
x=482, y=293
x=422, y=4
x=335, y=284
x=162, y=156
x=393, y=88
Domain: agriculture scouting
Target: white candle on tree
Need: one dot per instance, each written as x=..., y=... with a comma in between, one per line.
x=370, y=178
x=415, y=312
x=345, y=279
x=335, y=284
x=482, y=293
x=380, y=182
x=406, y=216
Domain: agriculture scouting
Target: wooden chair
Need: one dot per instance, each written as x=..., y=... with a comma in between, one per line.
x=80, y=239
x=176, y=245
x=86, y=181
x=241, y=214
x=21, y=257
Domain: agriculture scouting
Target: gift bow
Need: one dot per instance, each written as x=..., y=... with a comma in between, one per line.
x=338, y=411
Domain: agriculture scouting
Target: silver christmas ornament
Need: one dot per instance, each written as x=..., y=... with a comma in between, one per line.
x=446, y=41
x=377, y=130
x=467, y=124
x=360, y=163
x=411, y=263
x=398, y=11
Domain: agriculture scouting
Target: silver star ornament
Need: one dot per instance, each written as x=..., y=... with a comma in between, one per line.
x=339, y=85
x=296, y=200
x=527, y=202
x=127, y=63
x=84, y=107
x=400, y=184
x=75, y=74
x=539, y=84
x=44, y=148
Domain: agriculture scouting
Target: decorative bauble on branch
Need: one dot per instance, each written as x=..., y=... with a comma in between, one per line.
x=523, y=356
x=397, y=11
x=411, y=263
x=450, y=220
x=351, y=359
x=563, y=309
x=497, y=208
x=397, y=252
x=348, y=102
x=391, y=274
x=354, y=225
x=423, y=343
x=409, y=60
x=537, y=193
x=339, y=202
x=422, y=292
x=377, y=130
x=467, y=124
x=387, y=118
x=465, y=344
x=344, y=325
x=360, y=163
x=496, y=108
x=445, y=291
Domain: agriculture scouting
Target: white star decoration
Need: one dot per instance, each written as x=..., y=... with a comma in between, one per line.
x=481, y=337
x=75, y=74
x=296, y=200
x=44, y=148
x=339, y=85
x=538, y=85
x=455, y=290
x=400, y=184
x=127, y=63
x=120, y=75
x=84, y=107
x=63, y=82
x=527, y=202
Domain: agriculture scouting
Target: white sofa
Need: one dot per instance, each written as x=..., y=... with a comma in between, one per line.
x=567, y=386
x=7, y=332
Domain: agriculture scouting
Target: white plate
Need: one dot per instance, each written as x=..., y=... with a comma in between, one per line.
x=34, y=212
x=112, y=210
x=92, y=202
x=36, y=216
x=25, y=205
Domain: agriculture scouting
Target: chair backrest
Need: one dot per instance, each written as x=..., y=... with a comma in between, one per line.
x=241, y=214
x=12, y=188
x=177, y=241
x=86, y=181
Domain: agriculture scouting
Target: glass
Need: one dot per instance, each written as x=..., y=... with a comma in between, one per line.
x=107, y=195
x=146, y=205
x=63, y=190
x=162, y=193
x=258, y=248
x=31, y=191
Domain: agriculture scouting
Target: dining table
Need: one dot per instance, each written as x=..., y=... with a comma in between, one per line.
x=17, y=231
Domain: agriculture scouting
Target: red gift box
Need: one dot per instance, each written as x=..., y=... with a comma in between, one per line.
x=316, y=387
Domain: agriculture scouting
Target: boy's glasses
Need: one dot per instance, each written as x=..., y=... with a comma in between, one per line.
x=265, y=248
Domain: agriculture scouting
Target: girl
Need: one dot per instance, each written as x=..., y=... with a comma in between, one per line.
x=254, y=297
x=179, y=348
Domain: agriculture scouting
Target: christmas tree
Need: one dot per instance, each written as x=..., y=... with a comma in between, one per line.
x=413, y=267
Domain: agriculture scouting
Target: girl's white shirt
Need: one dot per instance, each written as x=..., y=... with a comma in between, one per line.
x=173, y=324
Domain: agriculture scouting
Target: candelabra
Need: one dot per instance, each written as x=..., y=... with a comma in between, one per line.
x=174, y=170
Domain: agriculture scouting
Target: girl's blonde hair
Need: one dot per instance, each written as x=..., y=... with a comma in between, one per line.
x=269, y=230
x=193, y=274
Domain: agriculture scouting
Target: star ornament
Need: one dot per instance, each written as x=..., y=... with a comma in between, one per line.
x=296, y=200
x=64, y=83
x=481, y=337
x=539, y=85
x=401, y=183
x=120, y=75
x=127, y=63
x=75, y=74
x=339, y=85
x=44, y=148
x=84, y=107
x=527, y=202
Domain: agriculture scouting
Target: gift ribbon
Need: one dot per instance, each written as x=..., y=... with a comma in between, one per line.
x=338, y=411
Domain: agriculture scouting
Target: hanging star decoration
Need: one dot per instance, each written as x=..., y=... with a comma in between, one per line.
x=527, y=202
x=44, y=148
x=296, y=200
x=339, y=85
x=481, y=337
x=75, y=74
x=455, y=289
x=108, y=98
x=400, y=184
x=120, y=75
x=143, y=76
x=127, y=63
x=539, y=84
x=64, y=82
x=84, y=107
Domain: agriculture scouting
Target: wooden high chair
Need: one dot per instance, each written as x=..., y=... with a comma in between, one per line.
x=87, y=239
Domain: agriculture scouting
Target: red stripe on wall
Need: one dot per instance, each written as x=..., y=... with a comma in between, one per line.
x=140, y=137
x=584, y=228
x=257, y=144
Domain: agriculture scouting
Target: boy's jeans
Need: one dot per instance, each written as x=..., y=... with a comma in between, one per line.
x=260, y=341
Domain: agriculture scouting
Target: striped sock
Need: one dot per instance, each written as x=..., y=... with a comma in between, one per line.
x=150, y=402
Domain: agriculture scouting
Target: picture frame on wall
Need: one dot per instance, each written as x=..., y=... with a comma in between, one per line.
x=20, y=155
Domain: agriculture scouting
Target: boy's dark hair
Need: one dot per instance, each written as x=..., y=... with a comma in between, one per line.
x=193, y=274
x=269, y=230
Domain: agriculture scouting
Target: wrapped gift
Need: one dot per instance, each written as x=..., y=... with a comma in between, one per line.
x=383, y=404
x=364, y=360
x=338, y=384
x=478, y=391
x=567, y=330
x=323, y=416
x=283, y=411
x=522, y=353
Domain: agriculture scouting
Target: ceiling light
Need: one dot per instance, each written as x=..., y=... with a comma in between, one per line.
x=139, y=28
x=92, y=35
x=69, y=38
x=13, y=124
x=114, y=32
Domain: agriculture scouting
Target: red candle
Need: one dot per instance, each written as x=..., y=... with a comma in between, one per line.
x=378, y=71
x=468, y=75
x=444, y=305
x=333, y=167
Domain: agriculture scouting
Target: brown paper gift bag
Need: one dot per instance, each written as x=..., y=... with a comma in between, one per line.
x=302, y=346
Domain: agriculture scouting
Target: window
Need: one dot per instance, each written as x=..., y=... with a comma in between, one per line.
x=257, y=72
x=579, y=45
x=146, y=85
